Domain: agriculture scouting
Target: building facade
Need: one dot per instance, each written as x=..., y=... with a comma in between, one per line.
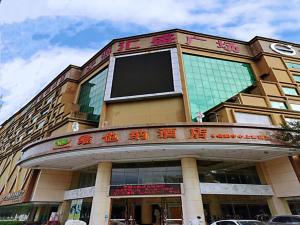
x=158, y=129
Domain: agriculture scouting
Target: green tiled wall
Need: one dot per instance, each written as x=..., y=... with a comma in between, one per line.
x=91, y=95
x=211, y=81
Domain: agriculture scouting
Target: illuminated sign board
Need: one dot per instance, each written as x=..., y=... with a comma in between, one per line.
x=145, y=189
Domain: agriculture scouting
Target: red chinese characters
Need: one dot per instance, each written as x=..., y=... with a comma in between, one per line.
x=189, y=39
x=105, y=54
x=110, y=137
x=163, y=39
x=146, y=189
x=128, y=45
x=198, y=133
x=228, y=46
x=138, y=135
x=166, y=133
x=85, y=140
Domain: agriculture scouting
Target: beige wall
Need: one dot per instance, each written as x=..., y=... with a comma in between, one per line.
x=51, y=185
x=254, y=100
x=281, y=175
x=141, y=112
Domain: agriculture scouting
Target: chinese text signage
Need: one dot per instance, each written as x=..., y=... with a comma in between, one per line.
x=146, y=189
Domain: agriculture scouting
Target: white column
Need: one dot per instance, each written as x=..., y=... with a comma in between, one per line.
x=101, y=201
x=192, y=205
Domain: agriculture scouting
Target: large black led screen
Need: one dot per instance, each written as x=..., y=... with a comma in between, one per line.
x=142, y=74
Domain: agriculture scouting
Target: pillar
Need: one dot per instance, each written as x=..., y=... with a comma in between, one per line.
x=274, y=173
x=146, y=211
x=192, y=205
x=278, y=206
x=63, y=211
x=214, y=206
x=101, y=201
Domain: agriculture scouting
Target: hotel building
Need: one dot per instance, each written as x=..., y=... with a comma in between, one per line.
x=158, y=129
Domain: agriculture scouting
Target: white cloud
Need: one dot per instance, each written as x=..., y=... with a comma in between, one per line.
x=276, y=16
x=24, y=78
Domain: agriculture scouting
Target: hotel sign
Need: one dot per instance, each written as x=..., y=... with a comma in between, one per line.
x=136, y=135
x=145, y=189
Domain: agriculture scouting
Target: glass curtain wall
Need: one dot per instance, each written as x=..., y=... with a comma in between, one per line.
x=211, y=81
x=91, y=95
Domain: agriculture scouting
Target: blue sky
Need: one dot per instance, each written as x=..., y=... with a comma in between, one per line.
x=38, y=39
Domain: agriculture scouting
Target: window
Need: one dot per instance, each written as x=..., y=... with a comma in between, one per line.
x=290, y=91
x=41, y=124
x=45, y=111
x=293, y=65
x=87, y=179
x=211, y=81
x=146, y=173
x=34, y=119
x=292, y=120
x=91, y=95
x=295, y=107
x=30, y=131
x=278, y=105
x=253, y=118
x=296, y=77
x=49, y=99
x=227, y=172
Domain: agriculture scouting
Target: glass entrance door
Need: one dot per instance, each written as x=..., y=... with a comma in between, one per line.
x=146, y=211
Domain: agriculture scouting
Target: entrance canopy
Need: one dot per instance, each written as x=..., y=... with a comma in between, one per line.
x=157, y=142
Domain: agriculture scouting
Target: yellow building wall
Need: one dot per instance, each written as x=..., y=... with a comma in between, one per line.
x=282, y=177
x=142, y=112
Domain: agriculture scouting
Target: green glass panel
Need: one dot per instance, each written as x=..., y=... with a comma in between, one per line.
x=215, y=81
x=293, y=65
x=278, y=105
x=92, y=94
x=290, y=91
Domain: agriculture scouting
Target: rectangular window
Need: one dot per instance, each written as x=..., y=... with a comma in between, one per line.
x=295, y=107
x=290, y=91
x=278, y=105
x=146, y=173
x=91, y=95
x=296, y=77
x=211, y=81
x=293, y=65
x=227, y=172
x=253, y=118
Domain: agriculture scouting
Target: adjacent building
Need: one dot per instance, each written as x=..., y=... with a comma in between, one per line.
x=158, y=129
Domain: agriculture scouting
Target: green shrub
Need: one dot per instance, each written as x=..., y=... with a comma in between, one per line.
x=12, y=223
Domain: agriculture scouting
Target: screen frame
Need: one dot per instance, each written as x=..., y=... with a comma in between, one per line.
x=175, y=73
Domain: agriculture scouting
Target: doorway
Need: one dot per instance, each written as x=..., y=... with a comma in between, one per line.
x=146, y=211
